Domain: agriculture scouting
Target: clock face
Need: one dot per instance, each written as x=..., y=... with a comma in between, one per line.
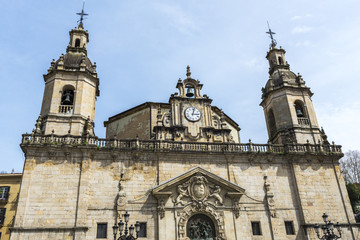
x=192, y=114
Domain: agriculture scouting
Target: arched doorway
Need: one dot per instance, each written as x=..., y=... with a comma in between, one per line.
x=200, y=227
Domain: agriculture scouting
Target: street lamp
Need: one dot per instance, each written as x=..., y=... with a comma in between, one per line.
x=129, y=232
x=328, y=229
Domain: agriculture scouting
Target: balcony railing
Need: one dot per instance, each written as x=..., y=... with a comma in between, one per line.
x=67, y=109
x=156, y=145
x=303, y=121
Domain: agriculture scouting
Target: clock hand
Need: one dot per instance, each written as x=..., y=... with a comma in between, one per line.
x=193, y=111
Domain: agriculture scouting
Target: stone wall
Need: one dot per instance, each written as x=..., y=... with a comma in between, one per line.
x=74, y=188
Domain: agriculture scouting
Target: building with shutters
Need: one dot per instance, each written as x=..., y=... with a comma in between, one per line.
x=179, y=168
x=9, y=190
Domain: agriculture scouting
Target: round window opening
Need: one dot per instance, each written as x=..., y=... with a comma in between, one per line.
x=200, y=227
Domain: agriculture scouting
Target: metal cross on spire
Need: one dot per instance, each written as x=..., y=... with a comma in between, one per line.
x=271, y=33
x=82, y=14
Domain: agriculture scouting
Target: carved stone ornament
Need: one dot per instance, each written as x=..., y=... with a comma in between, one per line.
x=198, y=190
x=167, y=120
x=269, y=198
x=38, y=125
x=121, y=199
x=209, y=211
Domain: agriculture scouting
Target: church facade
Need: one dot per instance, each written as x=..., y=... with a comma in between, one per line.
x=178, y=168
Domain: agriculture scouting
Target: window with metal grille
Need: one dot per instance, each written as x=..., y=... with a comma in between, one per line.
x=289, y=227
x=142, y=232
x=4, y=193
x=256, y=230
x=2, y=215
x=101, y=230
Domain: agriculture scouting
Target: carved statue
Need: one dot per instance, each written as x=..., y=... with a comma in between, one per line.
x=88, y=127
x=121, y=198
x=182, y=193
x=216, y=194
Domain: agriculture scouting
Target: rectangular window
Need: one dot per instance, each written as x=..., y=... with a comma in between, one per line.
x=142, y=232
x=2, y=215
x=256, y=228
x=289, y=227
x=101, y=230
x=4, y=193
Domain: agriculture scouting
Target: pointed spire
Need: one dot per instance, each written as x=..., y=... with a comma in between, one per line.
x=82, y=14
x=188, y=73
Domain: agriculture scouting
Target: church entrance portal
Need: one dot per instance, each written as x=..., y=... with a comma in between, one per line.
x=200, y=227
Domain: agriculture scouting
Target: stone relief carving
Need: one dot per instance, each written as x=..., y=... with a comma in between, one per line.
x=269, y=198
x=194, y=193
x=121, y=199
x=191, y=210
x=167, y=120
x=161, y=208
x=236, y=208
x=201, y=227
x=216, y=122
x=198, y=190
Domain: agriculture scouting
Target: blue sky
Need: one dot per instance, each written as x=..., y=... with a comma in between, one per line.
x=142, y=47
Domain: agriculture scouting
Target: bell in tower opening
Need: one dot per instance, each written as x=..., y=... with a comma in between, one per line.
x=190, y=91
x=67, y=97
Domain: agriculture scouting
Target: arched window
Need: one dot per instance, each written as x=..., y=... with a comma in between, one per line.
x=67, y=97
x=77, y=42
x=281, y=62
x=190, y=91
x=300, y=113
x=299, y=108
x=199, y=227
x=271, y=122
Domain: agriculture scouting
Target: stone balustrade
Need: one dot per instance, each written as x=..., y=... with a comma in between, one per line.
x=303, y=121
x=156, y=145
x=66, y=109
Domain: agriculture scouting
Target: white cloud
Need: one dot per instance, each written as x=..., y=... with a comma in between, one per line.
x=302, y=29
x=305, y=43
x=257, y=64
x=178, y=17
x=294, y=18
x=340, y=123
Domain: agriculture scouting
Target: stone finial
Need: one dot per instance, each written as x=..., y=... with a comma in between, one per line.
x=38, y=124
x=82, y=63
x=188, y=73
x=52, y=64
x=60, y=64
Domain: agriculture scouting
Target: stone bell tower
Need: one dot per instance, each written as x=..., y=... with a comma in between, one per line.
x=286, y=100
x=71, y=89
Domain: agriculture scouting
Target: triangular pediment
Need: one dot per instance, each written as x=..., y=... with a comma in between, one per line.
x=198, y=184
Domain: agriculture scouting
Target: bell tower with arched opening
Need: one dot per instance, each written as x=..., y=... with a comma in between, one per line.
x=71, y=89
x=286, y=100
